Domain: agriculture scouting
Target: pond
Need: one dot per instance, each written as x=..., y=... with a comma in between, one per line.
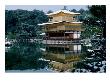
x=33, y=57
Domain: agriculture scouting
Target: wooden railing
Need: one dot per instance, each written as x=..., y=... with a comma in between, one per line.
x=62, y=38
x=77, y=28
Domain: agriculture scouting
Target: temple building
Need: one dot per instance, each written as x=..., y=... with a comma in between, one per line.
x=63, y=27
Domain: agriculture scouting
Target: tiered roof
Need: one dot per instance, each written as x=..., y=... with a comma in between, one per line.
x=57, y=12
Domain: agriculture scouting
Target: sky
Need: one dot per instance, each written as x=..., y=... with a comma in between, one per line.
x=45, y=8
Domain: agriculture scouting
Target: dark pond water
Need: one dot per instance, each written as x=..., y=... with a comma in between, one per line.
x=35, y=57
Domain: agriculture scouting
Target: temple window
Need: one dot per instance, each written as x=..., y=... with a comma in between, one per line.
x=50, y=18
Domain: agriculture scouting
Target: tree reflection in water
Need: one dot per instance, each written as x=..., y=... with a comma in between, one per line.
x=24, y=55
x=59, y=58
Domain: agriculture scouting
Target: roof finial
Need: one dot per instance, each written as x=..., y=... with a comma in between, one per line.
x=65, y=8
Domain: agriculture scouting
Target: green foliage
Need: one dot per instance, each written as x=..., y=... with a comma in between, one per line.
x=11, y=35
x=50, y=11
x=90, y=31
x=74, y=10
x=98, y=11
x=23, y=22
x=95, y=21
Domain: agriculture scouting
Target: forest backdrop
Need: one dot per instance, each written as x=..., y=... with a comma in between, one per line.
x=23, y=23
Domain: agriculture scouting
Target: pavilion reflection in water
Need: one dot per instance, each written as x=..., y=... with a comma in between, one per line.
x=62, y=57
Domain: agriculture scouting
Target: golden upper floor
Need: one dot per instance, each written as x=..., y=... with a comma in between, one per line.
x=63, y=15
x=76, y=26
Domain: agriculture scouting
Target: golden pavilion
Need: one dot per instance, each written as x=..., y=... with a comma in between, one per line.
x=63, y=27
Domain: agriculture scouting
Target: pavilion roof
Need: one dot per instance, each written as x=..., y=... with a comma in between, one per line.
x=49, y=23
x=64, y=11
